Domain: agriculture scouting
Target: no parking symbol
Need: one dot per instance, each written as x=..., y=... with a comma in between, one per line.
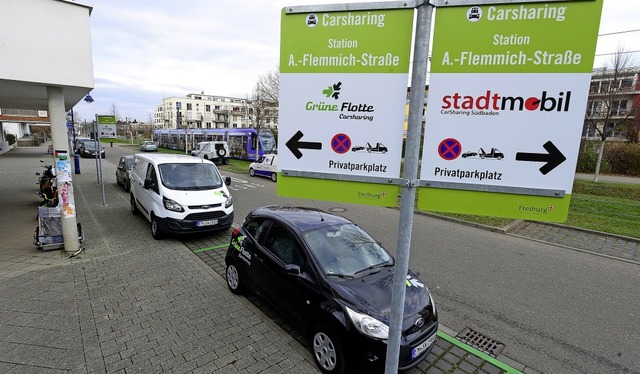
x=449, y=149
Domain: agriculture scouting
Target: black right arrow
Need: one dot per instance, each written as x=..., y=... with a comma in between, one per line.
x=553, y=157
x=294, y=144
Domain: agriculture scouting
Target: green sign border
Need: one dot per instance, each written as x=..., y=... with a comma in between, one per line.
x=525, y=207
x=342, y=191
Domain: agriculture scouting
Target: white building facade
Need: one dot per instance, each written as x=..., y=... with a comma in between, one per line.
x=201, y=111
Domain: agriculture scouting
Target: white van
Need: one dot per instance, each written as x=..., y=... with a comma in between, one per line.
x=216, y=151
x=180, y=194
x=266, y=166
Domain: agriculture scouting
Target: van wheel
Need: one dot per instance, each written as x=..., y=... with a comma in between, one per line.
x=134, y=207
x=274, y=176
x=252, y=172
x=327, y=351
x=156, y=232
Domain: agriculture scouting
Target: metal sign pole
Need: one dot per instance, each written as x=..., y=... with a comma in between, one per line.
x=408, y=191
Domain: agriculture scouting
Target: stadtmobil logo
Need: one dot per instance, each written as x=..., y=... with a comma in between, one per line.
x=492, y=103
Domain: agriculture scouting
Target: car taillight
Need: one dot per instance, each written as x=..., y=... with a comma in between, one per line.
x=235, y=232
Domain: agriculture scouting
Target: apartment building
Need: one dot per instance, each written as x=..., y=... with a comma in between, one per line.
x=211, y=112
x=614, y=99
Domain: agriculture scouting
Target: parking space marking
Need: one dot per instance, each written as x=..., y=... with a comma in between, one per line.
x=210, y=248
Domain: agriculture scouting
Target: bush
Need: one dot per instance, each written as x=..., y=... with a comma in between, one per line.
x=10, y=138
x=619, y=158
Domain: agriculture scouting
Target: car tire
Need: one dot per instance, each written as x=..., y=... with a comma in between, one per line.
x=134, y=207
x=234, y=281
x=221, y=152
x=274, y=177
x=156, y=231
x=327, y=351
x=252, y=172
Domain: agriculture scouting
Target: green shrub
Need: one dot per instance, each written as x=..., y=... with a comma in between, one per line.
x=10, y=138
x=619, y=158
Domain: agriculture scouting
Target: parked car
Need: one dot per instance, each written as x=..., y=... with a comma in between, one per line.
x=79, y=142
x=333, y=280
x=469, y=154
x=266, y=166
x=149, y=146
x=123, y=172
x=88, y=149
x=216, y=151
x=180, y=194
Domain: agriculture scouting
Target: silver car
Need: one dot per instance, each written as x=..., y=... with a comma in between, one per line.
x=149, y=146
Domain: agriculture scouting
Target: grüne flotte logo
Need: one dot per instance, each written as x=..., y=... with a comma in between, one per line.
x=493, y=103
x=348, y=110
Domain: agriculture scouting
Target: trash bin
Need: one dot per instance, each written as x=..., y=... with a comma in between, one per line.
x=76, y=163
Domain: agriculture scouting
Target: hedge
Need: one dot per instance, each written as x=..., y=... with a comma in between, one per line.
x=619, y=158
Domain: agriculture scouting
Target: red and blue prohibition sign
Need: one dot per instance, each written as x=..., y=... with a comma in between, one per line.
x=449, y=149
x=341, y=143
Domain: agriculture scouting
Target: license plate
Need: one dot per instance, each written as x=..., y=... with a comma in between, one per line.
x=210, y=222
x=417, y=350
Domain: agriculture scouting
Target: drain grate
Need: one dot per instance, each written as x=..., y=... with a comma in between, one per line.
x=480, y=342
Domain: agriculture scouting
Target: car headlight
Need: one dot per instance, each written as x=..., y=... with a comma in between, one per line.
x=368, y=325
x=172, y=205
x=229, y=201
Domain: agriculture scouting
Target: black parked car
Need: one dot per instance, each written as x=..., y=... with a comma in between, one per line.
x=88, y=149
x=123, y=172
x=333, y=280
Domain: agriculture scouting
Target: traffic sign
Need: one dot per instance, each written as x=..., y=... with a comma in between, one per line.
x=507, y=92
x=343, y=84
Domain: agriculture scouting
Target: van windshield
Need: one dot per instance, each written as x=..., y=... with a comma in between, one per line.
x=200, y=176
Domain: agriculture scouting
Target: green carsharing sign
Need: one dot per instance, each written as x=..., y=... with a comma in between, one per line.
x=508, y=90
x=343, y=84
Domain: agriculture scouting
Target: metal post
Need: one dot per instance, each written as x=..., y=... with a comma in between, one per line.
x=99, y=162
x=410, y=175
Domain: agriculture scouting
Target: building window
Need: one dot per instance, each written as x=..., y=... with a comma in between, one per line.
x=207, y=108
x=188, y=106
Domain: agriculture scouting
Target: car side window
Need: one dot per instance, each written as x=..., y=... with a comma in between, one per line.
x=151, y=174
x=256, y=227
x=283, y=245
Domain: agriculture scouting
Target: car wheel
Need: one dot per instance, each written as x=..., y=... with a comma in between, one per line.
x=233, y=279
x=274, y=176
x=156, y=232
x=118, y=181
x=134, y=207
x=252, y=172
x=221, y=152
x=327, y=351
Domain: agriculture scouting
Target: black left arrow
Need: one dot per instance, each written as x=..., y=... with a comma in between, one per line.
x=553, y=157
x=294, y=144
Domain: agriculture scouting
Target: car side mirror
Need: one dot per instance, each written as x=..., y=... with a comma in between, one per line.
x=227, y=181
x=292, y=269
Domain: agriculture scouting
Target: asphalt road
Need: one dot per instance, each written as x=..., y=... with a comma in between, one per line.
x=556, y=310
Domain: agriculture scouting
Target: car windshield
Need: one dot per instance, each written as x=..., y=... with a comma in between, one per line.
x=129, y=162
x=89, y=146
x=346, y=250
x=190, y=176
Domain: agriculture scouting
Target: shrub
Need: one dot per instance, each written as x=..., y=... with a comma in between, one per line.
x=10, y=138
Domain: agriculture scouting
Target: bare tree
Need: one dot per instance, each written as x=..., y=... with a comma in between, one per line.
x=263, y=103
x=611, y=107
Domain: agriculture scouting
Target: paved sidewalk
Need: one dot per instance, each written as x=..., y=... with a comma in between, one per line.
x=128, y=304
